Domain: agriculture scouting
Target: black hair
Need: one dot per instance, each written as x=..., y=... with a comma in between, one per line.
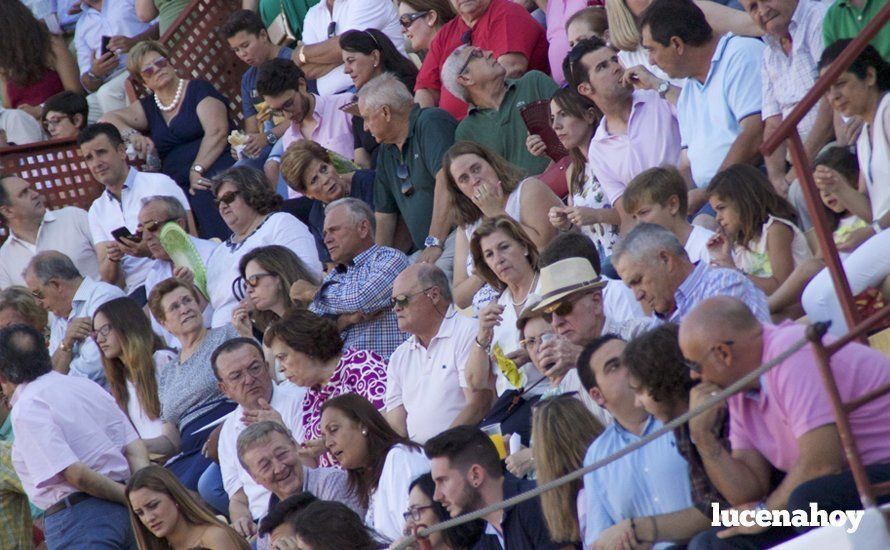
x=242, y=20
x=231, y=345
x=277, y=76
x=680, y=18
x=93, y=131
x=868, y=57
x=585, y=372
x=23, y=354
x=655, y=359
x=570, y=245
x=465, y=446
x=575, y=71
x=67, y=102
x=460, y=536
x=391, y=59
x=285, y=511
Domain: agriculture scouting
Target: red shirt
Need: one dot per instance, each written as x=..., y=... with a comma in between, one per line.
x=505, y=27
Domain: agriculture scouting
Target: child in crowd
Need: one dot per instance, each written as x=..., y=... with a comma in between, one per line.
x=757, y=228
x=659, y=196
x=586, y=23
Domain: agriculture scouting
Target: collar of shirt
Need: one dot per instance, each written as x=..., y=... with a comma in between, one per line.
x=48, y=217
x=446, y=329
x=687, y=286
x=796, y=29
x=602, y=132
x=81, y=296
x=316, y=115
x=511, y=87
x=715, y=60
x=360, y=258
x=128, y=184
x=628, y=436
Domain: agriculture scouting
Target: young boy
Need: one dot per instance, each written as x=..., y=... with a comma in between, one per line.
x=659, y=196
x=64, y=115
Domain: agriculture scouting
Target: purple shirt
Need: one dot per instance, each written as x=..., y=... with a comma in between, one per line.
x=652, y=139
x=557, y=13
x=334, y=127
x=60, y=420
x=359, y=371
x=792, y=400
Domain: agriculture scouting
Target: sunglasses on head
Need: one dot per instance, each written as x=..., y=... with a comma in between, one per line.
x=476, y=53
x=226, y=198
x=404, y=175
x=407, y=19
x=154, y=67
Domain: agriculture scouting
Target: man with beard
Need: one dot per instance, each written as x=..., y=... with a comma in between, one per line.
x=468, y=475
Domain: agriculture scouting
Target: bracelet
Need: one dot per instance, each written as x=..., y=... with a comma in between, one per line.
x=94, y=76
x=480, y=346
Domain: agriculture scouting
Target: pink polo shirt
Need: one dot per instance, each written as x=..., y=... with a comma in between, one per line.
x=60, y=420
x=557, y=13
x=652, y=139
x=792, y=400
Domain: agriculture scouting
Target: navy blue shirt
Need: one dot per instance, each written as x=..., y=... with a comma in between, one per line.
x=523, y=524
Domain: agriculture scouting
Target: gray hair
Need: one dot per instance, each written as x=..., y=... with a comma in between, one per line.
x=52, y=264
x=358, y=211
x=175, y=209
x=429, y=275
x=647, y=240
x=387, y=90
x=258, y=433
x=450, y=72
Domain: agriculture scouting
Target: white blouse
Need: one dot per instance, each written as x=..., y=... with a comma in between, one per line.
x=390, y=500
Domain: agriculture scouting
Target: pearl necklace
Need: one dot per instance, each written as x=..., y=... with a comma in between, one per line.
x=176, y=98
x=530, y=287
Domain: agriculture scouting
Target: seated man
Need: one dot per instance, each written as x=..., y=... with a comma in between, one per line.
x=408, y=189
x=494, y=118
x=245, y=378
x=469, y=476
x=64, y=115
x=60, y=288
x=157, y=211
x=320, y=56
x=33, y=229
x=659, y=196
x=248, y=38
x=122, y=261
x=782, y=419
x=651, y=481
x=653, y=263
x=426, y=390
x=720, y=102
x=18, y=128
x=102, y=65
x=74, y=448
x=516, y=41
x=357, y=292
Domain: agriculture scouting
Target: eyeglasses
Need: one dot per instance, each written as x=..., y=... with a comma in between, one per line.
x=332, y=29
x=414, y=512
x=226, y=198
x=467, y=37
x=254, y=280
x=402, y=300
x=54, y=121
x=103, y=332
x=697, y=367
x=38, y=294
x=153, y=226
x=404, y=175
x=407, y=19
x=563, y=307
x=474, y=53
x=154, y=67
x=254, y=370
x=535, y=341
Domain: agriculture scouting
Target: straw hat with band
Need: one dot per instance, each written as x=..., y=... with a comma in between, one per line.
x=564, y=278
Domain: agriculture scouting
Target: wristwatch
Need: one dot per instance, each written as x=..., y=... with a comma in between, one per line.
x=431, y=242
x=663, y=88
x=198, y=169
x=301, y=55
x=271, y=138
x=64, y=347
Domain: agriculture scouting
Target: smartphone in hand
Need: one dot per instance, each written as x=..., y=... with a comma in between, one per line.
x=105, y=41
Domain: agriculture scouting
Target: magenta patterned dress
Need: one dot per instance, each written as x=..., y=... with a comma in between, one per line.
x=359, y=371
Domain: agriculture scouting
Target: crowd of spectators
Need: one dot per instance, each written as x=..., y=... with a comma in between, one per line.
x=453, y=250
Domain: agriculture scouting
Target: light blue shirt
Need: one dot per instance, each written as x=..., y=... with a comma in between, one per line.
x=649, y=481
x=117, y=18
x=706, y=281
x=710, y=113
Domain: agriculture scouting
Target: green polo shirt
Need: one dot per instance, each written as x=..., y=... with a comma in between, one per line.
x=430, y=134
x=503, y=130
x=844, y=20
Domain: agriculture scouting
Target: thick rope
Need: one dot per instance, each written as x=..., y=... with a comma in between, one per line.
x=716, y=398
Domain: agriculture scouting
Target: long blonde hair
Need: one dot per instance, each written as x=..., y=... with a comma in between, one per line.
x=623, y=31
x=562, y=429
x=136, y=362
x=193, y=510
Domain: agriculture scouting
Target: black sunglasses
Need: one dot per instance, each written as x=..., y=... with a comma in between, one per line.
x=467, y=37
x=407, y=19
x=475, y=53
x=153, y=226
x=404, y=175
x=226, y=198
x=332, y=29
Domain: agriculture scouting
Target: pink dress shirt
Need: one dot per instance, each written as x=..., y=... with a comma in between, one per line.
x=60, y=420
x=558, y=12
x=652, y=139
x=792, y=400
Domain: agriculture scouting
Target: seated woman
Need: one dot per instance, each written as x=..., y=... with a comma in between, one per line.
x=249, y=207
x=367, y=54
x=163, y=514
x=481, y=184
x=188, y=391
x=34, y=64
x=380, y=462
x=187, y=122
x=132, y=357
x=309, y=169
x=423, y=511
x=310, y=353
x=268, y=273
x=421, y=20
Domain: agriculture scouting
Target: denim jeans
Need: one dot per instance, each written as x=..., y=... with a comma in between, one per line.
x=90, y=524
x=210, y=487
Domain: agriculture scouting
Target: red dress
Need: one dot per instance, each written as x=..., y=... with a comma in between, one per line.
x=49, y=85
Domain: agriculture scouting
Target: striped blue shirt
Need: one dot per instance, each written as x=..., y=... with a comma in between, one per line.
x=706, y=281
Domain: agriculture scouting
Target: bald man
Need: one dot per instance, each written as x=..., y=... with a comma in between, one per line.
x=782, y=420
x=427, y=390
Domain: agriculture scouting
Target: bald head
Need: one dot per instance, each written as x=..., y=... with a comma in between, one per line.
x=719, y=318
x=422, y=276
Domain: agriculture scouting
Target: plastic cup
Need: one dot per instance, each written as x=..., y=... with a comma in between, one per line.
x=493, y=431
x=239, y=150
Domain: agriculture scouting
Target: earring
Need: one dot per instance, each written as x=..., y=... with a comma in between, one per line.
x=365, y=432
x=375, y=65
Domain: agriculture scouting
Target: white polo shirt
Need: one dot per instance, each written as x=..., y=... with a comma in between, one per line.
x=287, y=399
x=66, y=230
x=429, y=382
x=107, y=213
